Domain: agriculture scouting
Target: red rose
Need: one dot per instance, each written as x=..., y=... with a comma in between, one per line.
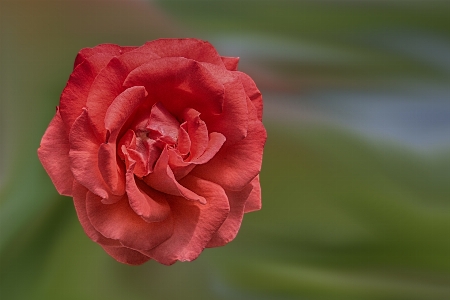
x=160, y=147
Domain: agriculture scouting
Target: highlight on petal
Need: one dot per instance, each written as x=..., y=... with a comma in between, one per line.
x=54, y=155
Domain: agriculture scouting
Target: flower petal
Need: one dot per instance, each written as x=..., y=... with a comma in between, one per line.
x=194, y=49
x=163, y=180
x=79, y=200
x=254, y=199
x=252, y=92
x=161, y=121
x=111, y=169
x=54, y=155
x=119, y=222
x=234, y=166
x=122, y=108
x=231, y=63
x=126, y=255
x=75, y=94
x=108, y=84
x=84, y=147
x=109, y=49
x=178, y=83
x=151, y=205
x=195, y=224
x=229, y=229
x=198, y=133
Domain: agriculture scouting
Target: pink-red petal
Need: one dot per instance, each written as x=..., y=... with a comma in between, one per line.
x=194, y=49
x=163, y=180
x=108, y=49
x=79, y=200
x=54, y=155
x=254, y=199
x=231, y=63
x=84, y=146
x=151, y=205
x=126, y=255
x=178, y=83
x=119, y=222
x=195, y=224
x=252, y=92
x=229, y=229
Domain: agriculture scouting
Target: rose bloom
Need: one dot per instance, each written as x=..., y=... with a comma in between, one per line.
x=160, y=147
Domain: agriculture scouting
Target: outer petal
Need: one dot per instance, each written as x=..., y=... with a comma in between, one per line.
x=126, y=255
x=195, y=224
x=229, y=229
x=83, y=154
x=253, y=93
x=254, y=199
x=194, y=49
x=109, y=84
x=79, y=200
x=233, y=120
x=119, y=222
x=231, y=63
x=233, y=167
x=54, y=155
x=178, y=83
x=75, y=94
x=108, y=49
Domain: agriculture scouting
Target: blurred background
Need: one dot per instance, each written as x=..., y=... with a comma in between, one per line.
x=356, y=173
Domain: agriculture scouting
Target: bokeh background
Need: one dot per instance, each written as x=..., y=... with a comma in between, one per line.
x=356, y=173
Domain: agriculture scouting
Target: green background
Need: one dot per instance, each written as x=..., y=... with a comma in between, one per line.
x=356, y=171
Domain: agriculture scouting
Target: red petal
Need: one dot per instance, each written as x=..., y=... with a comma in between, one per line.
x=84, y=147
x=151, y=205
x=198, y=133
x=163, y=180
x=119, y=222
x=123, y=106
x=194, y=223
x=54, y=155
x=164, y=123
x=108, y=84
x=194, y=49
x=79, y=200
x=253, y=93
x=231, y=63
x=233, y=167
x=110, y=49
x=178, y=83
x=229, y=229
x=75, y=94
x=126, y=255
x=233, y=120
x=112, y=170
x=254, y=200
x=216, y=140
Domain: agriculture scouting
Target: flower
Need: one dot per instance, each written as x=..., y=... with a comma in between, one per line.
x=160, y=147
